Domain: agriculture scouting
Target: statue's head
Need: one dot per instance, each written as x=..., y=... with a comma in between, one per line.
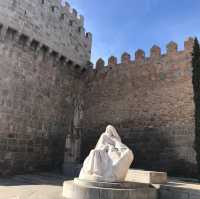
x=112, y=132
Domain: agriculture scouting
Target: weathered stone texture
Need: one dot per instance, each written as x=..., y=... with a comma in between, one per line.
x=151, y=103
x=37, y=103
x=48, y=22
x=43, y=51
x=44, y=98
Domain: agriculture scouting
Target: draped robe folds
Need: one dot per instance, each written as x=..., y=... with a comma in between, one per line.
x=109, y=161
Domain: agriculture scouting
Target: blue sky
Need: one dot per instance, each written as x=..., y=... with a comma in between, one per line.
x=126, y=25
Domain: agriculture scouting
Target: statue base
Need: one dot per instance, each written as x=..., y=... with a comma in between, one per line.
x=82, y=189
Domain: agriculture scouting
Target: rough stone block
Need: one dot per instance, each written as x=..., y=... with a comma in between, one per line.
x=68, y=189
x=149, y=177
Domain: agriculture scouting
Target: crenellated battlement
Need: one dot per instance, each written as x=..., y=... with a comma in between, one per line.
x=66, y=10
x=151, y=99
x=49, y=23
x=40, y=51
x=140, y=58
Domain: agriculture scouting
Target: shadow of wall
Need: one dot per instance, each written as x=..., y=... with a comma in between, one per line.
x=154, y=149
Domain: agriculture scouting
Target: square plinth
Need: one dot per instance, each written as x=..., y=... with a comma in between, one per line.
x=147, y=177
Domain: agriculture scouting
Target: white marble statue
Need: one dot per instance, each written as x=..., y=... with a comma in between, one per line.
x=109, y=161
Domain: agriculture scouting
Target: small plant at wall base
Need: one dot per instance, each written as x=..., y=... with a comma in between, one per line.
x=196, y=88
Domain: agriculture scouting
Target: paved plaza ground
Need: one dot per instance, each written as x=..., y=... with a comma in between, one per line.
x=49, y=186
x=40, y=186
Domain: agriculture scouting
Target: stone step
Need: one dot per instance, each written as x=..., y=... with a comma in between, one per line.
x=81, y=189
x=179, y=189
x=147, y=177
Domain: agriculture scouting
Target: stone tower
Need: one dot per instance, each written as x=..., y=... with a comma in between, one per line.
x=59, y=29
x=43, y=51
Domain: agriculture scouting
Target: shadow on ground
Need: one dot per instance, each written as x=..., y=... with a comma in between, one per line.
x=35, y=179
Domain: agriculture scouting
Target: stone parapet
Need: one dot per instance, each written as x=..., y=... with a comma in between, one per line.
x=155, y=54
x=49, y=22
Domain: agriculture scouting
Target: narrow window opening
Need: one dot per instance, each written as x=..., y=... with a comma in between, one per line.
x=62, y=17
x=54, y=56
x=87, y=34
x=34, y=45
x=11, y=33
x=1, y=27
x=70, y=22
x=79, y=29
x=62, y=59
x=53, y=8
x=77, y=66
x=83, y=70
x=70, y=63
x=23, y=39
x=44, y=50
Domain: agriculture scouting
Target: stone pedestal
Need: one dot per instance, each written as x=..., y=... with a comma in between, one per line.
x=82, y=189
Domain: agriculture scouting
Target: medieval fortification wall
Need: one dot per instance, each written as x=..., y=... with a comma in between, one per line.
x=48, y=94
x=150, y=101
x=46, y=23
x=43, y=51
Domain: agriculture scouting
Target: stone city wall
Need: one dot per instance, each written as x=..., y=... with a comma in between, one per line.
x=46, y=98
x=38, y=93
x=150, y=101
x=43, y=51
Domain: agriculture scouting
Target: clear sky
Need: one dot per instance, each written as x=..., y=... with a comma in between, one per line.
x=126, y=25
